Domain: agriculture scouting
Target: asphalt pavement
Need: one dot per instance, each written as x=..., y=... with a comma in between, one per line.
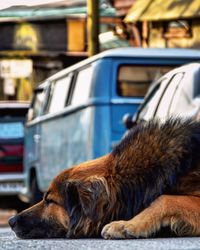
x=8, y=240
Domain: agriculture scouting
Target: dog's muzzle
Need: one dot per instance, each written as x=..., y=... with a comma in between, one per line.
x=12, y=222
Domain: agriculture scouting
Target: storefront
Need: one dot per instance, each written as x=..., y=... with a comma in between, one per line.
x=39, y=42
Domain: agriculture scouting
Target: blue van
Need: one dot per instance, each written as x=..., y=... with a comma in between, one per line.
x=76, y=115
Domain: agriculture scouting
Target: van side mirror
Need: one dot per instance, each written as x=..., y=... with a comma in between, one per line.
x=129, y=121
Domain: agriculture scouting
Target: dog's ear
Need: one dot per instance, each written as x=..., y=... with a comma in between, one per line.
x=72, y=202
x=72, y=199
x=89, y=197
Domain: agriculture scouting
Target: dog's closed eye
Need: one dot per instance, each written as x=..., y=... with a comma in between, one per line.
x=48, y=200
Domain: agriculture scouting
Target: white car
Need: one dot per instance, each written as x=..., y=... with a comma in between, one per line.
x=177, y=93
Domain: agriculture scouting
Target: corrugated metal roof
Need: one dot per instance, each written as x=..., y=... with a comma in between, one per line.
x=36, y=12
x=154, y=10
x=66, y=3
x=137, y=10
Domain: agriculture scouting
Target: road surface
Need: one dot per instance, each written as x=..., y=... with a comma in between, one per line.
x=9, y=241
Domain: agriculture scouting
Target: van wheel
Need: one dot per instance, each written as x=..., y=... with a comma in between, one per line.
x=36, y=194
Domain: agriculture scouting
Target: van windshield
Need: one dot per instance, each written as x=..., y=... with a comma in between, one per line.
x=147, y=109
x=134, y=81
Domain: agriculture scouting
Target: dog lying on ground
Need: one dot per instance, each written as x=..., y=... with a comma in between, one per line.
x=149, y=181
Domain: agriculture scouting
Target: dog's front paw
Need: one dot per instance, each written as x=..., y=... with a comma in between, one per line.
x=124, y=230
x=114, y=230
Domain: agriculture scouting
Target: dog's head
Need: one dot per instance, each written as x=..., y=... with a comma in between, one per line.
x=76, y=204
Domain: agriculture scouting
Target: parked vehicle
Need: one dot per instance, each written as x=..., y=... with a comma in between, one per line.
x=177, y=93
x=76, y=115
x=12, y=118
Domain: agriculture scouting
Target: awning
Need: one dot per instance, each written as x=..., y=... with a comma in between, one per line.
x=154, y=10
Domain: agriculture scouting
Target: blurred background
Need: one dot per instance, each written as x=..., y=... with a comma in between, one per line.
x=30, y=51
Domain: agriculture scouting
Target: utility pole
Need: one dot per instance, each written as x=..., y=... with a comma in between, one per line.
x=93, y=26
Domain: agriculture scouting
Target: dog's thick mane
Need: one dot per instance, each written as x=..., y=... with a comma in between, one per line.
x=150, y=160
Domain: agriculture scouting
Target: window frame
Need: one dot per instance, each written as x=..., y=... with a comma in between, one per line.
x=150, y=65
x=51, y=92
x=74, y=82
x=42, y=89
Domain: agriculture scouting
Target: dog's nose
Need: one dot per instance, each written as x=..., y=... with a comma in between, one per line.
x=12, y=221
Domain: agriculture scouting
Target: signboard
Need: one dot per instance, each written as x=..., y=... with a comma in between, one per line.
x=41, y=35
x=16, y=68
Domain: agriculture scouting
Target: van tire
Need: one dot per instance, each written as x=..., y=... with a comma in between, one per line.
x=36, y=194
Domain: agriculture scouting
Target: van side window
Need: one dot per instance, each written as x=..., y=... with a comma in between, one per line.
x=37, y=104
x=60, y=91
x=133, y=81
x=82, y=86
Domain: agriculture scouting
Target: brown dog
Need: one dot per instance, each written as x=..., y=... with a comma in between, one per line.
x=149, y=181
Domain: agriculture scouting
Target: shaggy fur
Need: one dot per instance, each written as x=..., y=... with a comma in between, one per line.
x=149, y=181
